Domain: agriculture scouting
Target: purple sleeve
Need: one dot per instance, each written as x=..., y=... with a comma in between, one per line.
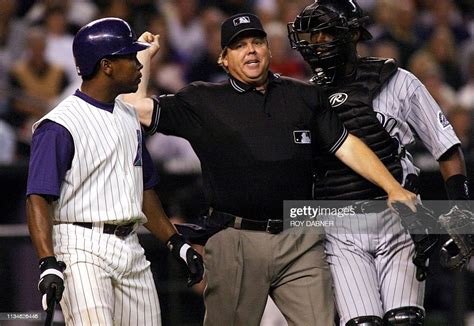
x=52, y=151
x=150, y=176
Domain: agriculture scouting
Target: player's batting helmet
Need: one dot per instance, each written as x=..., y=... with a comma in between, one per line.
x=101, y=38
x=337, y=18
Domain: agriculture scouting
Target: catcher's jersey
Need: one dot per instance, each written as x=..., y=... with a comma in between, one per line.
x=105, y=181
x=404, y=107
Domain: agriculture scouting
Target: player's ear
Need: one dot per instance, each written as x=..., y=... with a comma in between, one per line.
x=106, y=65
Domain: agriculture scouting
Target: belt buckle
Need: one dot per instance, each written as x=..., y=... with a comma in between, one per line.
x=122, y=231
x=274, y=226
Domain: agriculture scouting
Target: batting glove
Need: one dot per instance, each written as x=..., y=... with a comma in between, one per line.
x=184, y=252
x=51, y=283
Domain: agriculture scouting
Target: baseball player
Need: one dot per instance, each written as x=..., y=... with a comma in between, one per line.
x=374, y=278
x=254, y=134
x=90, y=186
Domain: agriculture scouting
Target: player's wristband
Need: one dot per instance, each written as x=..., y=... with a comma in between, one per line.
x=48, y=263
x=457, y=187
x=178, y=246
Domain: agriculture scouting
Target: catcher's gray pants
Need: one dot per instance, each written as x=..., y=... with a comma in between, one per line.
x=243, y=267
x=370, y=256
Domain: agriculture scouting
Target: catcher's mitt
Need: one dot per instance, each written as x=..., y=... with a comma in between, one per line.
x=422, y=226
x=459, y=223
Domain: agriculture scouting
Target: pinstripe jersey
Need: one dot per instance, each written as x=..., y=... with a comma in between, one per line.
x=404, y=107
x=105, y=182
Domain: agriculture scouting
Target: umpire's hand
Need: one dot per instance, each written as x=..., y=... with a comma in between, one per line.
x=184, y=252
x=51, y=283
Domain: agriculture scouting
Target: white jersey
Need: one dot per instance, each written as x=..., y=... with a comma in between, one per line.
x=404, y=107
x=105, y=182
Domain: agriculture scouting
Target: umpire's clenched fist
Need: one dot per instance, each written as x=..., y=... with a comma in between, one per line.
x=184, y=252
x=51, y=283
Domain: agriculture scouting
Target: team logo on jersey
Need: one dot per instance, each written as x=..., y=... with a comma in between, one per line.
x=241, y=20
x=138, y=161
x=443, y=121
x=302, y=136
x=337, y=99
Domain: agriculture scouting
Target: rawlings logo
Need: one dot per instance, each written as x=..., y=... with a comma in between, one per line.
x=337, y=99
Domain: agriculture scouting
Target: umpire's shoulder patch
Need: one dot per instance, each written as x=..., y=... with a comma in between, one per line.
x=443, y=121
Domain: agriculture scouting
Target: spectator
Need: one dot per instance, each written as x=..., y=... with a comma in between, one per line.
x=185, y=28
x=284, y=60
x=12, y=37
x=59, y=41
x=386, y=49
x=443, y=13
x=423, y=66
x=401, y=18
x=442, y=46
x=166, y=73
x=466, y=93
x=35, y=83
x=7, y=143
x=461, y=120
x=205, y=67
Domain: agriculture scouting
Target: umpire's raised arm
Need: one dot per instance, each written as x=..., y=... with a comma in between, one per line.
x=142, y=103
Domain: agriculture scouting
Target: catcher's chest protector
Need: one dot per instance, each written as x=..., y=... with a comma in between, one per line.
x=353, y=104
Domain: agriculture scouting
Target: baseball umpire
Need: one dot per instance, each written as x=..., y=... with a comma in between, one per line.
x=254, y=134
x=90, y=186
x=376, y=282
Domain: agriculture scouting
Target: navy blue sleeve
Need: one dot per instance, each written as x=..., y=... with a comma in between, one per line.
x=150, y=175
x=52, y=151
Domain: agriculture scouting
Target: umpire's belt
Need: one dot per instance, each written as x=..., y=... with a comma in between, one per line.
x=120, y=230
x=237, y=222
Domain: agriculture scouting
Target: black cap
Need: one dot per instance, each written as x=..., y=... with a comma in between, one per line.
x=237, y=24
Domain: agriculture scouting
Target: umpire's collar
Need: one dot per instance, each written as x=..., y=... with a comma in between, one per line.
x=241, y=87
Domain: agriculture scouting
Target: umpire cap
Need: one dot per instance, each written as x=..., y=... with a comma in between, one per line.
x=237, y=24
x=101, y=38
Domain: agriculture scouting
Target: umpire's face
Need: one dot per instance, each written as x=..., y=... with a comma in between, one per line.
x=247, y=59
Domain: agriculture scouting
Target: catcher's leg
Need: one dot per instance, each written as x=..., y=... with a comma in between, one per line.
x=355, y=279
x=395, y=269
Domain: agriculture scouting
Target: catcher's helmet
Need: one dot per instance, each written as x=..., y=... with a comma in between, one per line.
x=337, y=18
x=101, y=38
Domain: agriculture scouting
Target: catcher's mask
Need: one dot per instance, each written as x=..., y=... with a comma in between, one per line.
x=337, y=18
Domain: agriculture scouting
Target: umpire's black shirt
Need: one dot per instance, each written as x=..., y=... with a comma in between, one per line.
x=255, y=148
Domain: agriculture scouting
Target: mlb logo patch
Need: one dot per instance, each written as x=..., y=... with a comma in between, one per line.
x=302, y=136
x=241, y=20
x=443, y=121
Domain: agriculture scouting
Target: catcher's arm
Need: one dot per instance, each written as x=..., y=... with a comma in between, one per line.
x=458, y=222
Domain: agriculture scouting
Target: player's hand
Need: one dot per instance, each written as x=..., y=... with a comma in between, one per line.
x=184, y=252
x=401, y=195
x=153, y=40
x=51, y=283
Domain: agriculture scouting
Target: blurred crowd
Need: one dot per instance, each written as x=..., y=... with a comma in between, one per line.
x=434, y=39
